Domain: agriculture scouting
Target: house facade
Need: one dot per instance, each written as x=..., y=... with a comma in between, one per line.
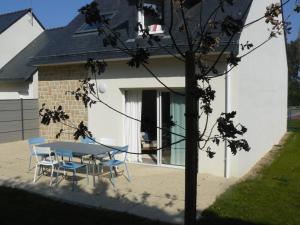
x=256, y=89
x=17, y=31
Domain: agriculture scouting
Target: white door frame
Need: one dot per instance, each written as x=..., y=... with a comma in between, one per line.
x=159, y=132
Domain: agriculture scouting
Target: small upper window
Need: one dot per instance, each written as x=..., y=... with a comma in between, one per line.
x=90, y=28
x=151, y=15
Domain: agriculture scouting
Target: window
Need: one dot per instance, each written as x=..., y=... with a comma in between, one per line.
x=151, y=15
x=91, y=28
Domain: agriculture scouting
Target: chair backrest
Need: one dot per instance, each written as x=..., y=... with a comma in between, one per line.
x=87, y=140
x=60, y=153
x=145, y=136
x=108, y=141
x=35, y=141
x=42, y=151
x=122, y=150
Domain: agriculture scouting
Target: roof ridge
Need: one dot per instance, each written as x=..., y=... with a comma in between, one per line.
x=15, y=12
x=55, y=28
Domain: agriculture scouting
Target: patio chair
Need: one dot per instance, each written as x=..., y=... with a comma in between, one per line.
x=86, y=140
x=48, y=161
x=113, y=163
x=107, y=142
x=32, y=142
x=70, y=165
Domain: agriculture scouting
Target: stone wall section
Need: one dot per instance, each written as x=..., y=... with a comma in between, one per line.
x=54, y=82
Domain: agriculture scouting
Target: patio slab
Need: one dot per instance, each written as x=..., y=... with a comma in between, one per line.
x=154, y=192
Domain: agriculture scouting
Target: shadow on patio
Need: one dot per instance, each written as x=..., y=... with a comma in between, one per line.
x=154, y=193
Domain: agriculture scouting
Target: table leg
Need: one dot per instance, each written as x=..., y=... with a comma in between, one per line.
x=93, y=165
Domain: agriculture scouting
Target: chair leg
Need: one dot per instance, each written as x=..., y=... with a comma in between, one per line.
x=35, y=171
x=52, y=169
x=87, y=174
x=128, y=176
x=29, y=162
x=74, y=180
x=57, y=174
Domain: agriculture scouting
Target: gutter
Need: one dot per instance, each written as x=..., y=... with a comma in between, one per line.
x=55, y=58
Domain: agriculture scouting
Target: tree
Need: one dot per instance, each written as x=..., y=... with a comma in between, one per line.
x=293, y=56
x=199, y=94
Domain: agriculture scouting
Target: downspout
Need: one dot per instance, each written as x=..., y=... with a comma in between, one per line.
x=227, y=110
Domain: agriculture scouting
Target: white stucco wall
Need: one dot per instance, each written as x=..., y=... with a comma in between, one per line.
x=19, y=89
x=17, y=37
x=103, y=122
x=259, y=92
x=118, y=77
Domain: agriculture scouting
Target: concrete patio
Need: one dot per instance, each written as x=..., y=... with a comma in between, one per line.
x=154, y=192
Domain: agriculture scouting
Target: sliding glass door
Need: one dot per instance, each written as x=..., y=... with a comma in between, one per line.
x=157, y=109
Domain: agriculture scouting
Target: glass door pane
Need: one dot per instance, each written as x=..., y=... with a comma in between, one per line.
x=173, y=109
x=148, y=127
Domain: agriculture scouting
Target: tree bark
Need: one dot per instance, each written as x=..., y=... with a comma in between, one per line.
x=191, y=150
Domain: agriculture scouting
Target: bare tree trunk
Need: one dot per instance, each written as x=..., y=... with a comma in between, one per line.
x=192, y=127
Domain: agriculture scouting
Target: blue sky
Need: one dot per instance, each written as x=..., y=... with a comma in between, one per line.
x=52, y=13
x=294, y=19
x=56, y=13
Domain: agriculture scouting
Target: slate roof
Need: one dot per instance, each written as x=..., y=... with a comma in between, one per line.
x=19, y=68
x=65, y=45
x=8, y=19
x=68, y=46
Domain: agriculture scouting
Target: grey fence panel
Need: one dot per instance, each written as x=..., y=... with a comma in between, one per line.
x=10, y=136
x=31, y=124
x=10, y=105
x=30, y=104
x=31, y=133
x=10, y=126
x=29, y=114
x=10, y=116
x=19, y=119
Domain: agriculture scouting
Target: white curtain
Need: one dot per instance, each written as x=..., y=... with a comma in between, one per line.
x=133, y=108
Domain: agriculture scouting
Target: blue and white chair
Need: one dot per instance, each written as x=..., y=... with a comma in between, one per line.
x=47, y=161
x=32, y=142
x=65, y=159
x=107, y=142
x=86, y=140
x=114, y=163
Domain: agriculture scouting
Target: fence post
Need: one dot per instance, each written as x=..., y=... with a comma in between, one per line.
x=22, y=118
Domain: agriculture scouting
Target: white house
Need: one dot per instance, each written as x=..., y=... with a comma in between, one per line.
x=256, y=89
x=17, y=31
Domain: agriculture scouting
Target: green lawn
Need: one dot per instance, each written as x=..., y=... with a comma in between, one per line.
x=272, y=198
x=294, y=125
x=22, y=208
